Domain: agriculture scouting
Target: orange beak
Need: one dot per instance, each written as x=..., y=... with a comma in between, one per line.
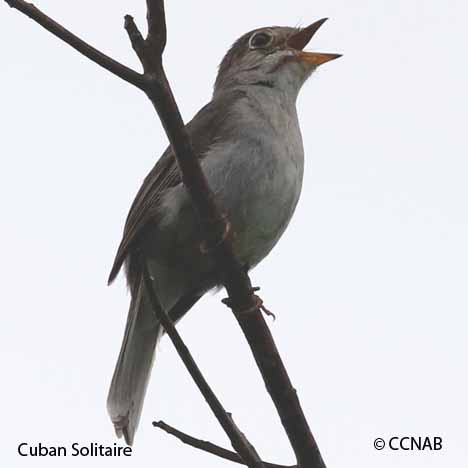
x=299, y=40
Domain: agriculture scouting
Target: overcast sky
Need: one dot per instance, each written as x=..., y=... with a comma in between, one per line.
x=369, y=283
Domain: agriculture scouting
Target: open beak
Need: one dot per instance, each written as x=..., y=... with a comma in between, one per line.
x=299, y=40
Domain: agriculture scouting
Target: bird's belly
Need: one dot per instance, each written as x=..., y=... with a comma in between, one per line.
x=260, y=223
x=259, y=192
x=261, y=203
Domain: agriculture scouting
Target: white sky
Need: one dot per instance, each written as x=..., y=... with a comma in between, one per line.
x=373, y=329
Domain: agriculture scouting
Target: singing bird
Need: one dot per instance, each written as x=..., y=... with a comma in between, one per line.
x=249, y=144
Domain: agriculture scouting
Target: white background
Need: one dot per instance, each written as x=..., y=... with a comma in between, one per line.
x=369, y=283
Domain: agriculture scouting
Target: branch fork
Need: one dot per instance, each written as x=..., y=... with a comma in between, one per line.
x=216, y=230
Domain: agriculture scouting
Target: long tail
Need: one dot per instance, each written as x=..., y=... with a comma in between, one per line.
x=133, y=369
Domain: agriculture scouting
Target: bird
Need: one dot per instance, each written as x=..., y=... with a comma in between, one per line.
x=249, y=145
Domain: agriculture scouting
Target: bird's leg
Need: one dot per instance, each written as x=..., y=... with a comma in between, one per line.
x=206, y=248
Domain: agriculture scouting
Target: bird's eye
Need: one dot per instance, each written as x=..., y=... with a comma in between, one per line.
x=260, y=39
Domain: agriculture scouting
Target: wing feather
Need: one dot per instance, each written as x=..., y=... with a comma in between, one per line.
x=204, y=129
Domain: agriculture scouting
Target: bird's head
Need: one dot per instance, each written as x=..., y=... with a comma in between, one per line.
x=272, y=56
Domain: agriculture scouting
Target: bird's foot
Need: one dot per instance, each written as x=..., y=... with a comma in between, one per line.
x=258, y=305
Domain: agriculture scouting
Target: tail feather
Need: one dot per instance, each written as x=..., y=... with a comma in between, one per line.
x=133, y=369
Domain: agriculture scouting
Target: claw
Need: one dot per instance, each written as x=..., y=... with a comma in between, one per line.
x=268, y=312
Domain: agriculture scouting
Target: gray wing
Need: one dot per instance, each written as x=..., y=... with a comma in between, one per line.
x=209, y=124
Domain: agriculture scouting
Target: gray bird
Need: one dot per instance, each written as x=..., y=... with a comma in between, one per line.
x=250, y=148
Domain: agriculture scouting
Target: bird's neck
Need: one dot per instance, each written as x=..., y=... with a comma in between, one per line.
x=264, y=89
x=262, y=110
x=284, y=82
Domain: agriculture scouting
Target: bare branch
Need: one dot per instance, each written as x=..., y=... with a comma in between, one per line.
x=118, y=69
x=135, y=36
x=245, y=305
x=280, y=388
x=156, y=18
x=208, y=446
x=239, y=442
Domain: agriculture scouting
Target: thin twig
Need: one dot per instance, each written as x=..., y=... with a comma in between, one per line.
x=209, y=447
x=239, y=442
x=136, y=38
x=157, y=33
x=118, y=69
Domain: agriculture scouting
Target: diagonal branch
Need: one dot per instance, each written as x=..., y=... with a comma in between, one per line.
x=245, y=305
x=151, y=62
x=118, y=69
x=208, y=446
x=239, y=442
